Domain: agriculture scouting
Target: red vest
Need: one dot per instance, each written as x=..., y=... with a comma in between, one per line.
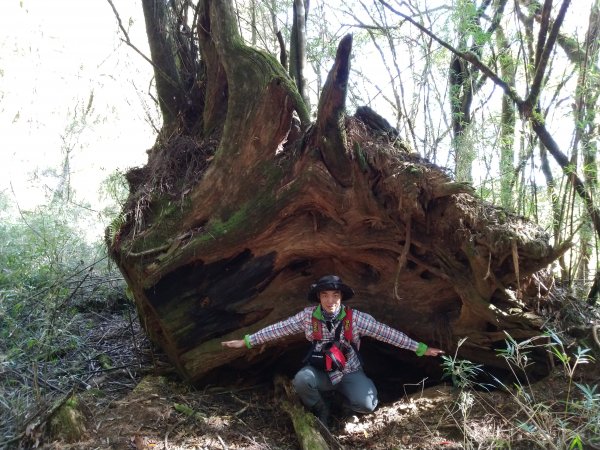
x=317, y=327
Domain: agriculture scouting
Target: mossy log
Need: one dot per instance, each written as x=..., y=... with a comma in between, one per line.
x=307, y=427
x=67, y=423
x=244, y=202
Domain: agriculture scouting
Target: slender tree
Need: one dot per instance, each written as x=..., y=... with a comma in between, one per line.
x=298, y=47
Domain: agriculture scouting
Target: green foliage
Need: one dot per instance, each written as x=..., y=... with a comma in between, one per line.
x=188, y=411
x=39, y=247
x=114, y=227
x=50, y=277
x=559, y=422
x=547, y=425
x=466, y=18
x=462, y=372
x=115, y=190
x=576, y=443
x=591, y=398
x=569, y=362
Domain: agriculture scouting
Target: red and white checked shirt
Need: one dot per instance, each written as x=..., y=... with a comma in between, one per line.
x=362, y=325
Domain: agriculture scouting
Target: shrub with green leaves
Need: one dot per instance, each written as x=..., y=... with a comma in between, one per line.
x=50, y=277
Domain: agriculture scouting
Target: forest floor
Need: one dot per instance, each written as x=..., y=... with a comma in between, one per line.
x=132, y=406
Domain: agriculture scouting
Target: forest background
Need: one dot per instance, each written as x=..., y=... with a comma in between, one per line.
x=77, y=109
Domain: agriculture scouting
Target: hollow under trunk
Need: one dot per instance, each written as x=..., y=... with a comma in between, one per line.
x=243, y=204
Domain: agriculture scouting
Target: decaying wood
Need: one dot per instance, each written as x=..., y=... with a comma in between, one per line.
x=34, y=426
x=330, y=137
x=312, y=434
x=227, y=225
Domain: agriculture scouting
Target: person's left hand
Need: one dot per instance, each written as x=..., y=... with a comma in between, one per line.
x=434, y=352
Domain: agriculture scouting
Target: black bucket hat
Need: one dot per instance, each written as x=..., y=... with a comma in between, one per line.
x=329, y=283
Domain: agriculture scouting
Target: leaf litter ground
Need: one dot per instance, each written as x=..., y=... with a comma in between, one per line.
x=141, y=404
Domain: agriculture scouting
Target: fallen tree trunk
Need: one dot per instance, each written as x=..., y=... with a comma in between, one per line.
x=244, y=203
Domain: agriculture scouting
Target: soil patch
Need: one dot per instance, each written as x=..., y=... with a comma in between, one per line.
x=163, y=413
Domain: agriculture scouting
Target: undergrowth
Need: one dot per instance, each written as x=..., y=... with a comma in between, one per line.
x=546, y=420
x=54, y=289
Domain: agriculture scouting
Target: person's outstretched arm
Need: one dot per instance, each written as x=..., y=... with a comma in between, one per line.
x=368, y=326
x=287, y=327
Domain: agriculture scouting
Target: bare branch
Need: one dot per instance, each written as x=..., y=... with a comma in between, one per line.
x=467, y=56
x=542, y=62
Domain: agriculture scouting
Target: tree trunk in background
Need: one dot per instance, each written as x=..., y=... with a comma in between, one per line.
x=507, y=128
x=162, y=50
x=241, y=207
x=465, y=79
x=586, y=134
x=298, y=48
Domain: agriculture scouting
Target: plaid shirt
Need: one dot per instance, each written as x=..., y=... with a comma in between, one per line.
x=362, y=325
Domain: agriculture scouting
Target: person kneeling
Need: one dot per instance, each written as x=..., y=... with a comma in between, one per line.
x=333, y=362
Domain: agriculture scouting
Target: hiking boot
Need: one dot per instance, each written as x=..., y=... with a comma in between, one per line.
x=322, y=412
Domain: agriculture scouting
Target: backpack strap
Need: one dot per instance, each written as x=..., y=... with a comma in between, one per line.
x=348, y=325
x=348, y=333
x=317, y=336
x=338, y=332
x=317, y=329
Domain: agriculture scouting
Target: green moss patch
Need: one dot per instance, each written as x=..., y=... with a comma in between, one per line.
x=67, y=423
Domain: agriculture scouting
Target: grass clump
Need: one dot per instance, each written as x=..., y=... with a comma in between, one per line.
x=567, y=417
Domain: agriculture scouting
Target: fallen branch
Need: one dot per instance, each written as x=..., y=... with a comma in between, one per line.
x=305, y=424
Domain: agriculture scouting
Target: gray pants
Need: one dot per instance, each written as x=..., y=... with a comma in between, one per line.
x=358, y=389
